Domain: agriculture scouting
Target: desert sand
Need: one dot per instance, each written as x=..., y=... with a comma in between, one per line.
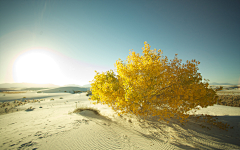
x=51, y=124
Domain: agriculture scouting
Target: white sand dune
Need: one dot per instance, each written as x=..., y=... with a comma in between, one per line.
x=54, y=127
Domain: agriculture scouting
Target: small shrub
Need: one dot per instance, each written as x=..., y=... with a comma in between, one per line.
x=219, y=89
x=30, y=109
x=61, y=98
x=52, y=99
x=82, y=108
x=24, y=97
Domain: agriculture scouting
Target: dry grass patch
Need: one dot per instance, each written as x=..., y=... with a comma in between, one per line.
x=9, y=107
x=13, y=92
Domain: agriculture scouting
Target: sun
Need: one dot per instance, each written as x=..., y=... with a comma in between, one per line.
x=36, y=66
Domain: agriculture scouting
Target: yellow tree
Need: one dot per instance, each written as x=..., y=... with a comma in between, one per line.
x=150, y=85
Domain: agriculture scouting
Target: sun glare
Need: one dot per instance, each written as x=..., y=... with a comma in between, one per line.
x=36, y=66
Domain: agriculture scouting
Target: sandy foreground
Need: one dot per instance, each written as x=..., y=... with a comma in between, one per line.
x=54, y=126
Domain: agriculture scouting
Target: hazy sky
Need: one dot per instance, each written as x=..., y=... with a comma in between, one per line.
x=63, y=42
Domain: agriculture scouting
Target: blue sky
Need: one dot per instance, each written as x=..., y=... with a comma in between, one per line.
x=63, y=42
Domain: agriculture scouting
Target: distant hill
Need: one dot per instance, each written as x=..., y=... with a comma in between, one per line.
x=76, y=85
x=25, y=85
x=87, y=85
x=71, y=85
x=215, y=83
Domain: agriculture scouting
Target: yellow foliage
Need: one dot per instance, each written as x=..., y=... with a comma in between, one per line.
x=150, y=85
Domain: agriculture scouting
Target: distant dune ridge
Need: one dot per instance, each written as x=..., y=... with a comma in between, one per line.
x=225, y=87
x=75, y=87
x=45, y=88
x=67, y=89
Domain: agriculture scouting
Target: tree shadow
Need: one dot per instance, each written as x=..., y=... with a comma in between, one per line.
x=196, y=133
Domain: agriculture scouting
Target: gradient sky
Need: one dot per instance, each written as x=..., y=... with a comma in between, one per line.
x=63, y=42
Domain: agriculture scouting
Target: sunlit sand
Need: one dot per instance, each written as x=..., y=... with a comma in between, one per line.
x=51, y=123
